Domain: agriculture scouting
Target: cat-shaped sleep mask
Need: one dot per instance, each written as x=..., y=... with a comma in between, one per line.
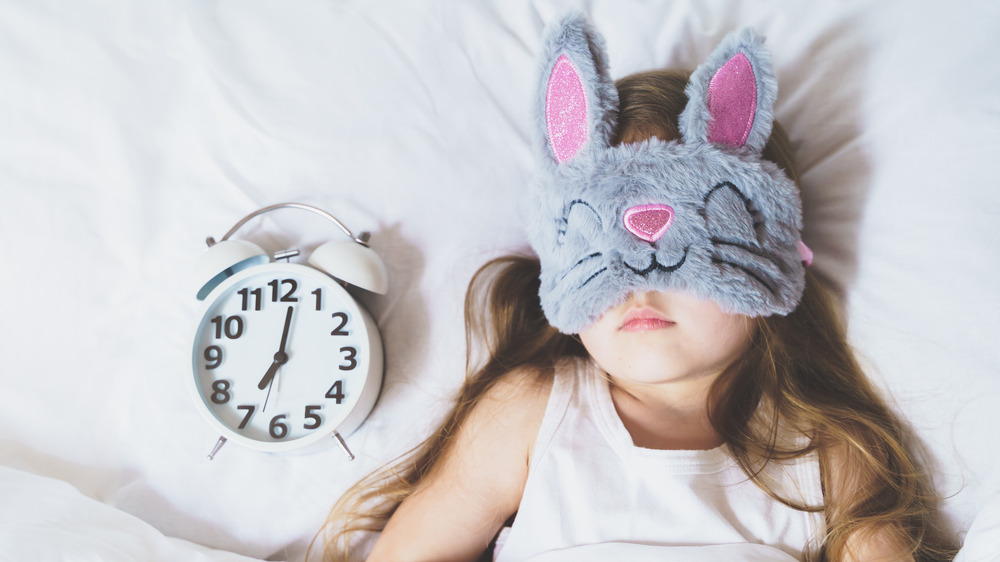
x=704, y=214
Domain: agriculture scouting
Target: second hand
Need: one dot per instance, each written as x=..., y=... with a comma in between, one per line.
x=268, y=397
x=280, y=358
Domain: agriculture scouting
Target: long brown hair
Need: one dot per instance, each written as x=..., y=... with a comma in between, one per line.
x=799, y=371
x=504, y=329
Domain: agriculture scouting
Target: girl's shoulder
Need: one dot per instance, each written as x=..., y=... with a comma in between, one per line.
x=524, y=385
x=527, y=390
x=512, y=408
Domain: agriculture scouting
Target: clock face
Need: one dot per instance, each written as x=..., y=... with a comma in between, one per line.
x=283, y=355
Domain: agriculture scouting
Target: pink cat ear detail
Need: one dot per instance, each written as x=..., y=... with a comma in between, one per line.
x=565, y=110
x=805, y=253
x=732, y=102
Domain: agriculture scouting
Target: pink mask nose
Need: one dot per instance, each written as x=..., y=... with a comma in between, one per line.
x=649, y=222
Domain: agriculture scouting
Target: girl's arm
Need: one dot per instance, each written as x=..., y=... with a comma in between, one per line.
x=477, y=485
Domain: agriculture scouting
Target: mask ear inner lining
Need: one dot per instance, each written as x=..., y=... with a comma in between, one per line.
x=565, y=110
x=732, y=102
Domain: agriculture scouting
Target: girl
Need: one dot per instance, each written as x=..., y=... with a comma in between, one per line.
x=666, y=381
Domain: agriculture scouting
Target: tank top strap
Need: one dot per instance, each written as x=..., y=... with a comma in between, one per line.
x=564, y=386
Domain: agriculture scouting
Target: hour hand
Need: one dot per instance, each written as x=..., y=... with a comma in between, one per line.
x=280, y=358
x=271, y=371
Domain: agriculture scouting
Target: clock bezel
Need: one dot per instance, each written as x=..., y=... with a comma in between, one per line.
x=363, y=403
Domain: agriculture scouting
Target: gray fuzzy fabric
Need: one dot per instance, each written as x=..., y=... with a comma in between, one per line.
x=695, y=117
x=735, y=231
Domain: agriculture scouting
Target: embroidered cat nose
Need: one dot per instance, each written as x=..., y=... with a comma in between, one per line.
x=649, y=222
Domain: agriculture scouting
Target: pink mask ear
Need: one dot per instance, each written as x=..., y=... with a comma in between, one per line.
x=731, y=95
x=577, y=102
x=565, y=110
x=732, y=102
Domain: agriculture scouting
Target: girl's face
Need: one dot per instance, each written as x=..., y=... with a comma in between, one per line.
x=658, y=337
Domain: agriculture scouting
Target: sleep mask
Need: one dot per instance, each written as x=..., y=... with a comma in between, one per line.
x=703, y=214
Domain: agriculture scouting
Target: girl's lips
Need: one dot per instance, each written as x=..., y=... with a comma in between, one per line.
x=644, y=320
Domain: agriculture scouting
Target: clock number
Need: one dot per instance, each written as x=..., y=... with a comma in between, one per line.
x=213, y=354
x=278, y=429
x=319, y=297
x=220, y=391
x=312, y=415
x=350, y=358
x=246, y=419
x=288, y=296
x=336, y=392
x=232, y=327
x=339, y=330
x=245, y=293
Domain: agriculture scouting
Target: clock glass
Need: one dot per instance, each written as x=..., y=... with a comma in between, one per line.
x=281, y=355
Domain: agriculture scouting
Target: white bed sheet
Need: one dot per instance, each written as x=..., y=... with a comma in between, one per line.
x=133, y=130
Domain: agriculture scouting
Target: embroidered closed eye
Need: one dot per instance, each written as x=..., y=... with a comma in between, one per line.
x=581, y=224
x=734, y=225
x=729, y=216
x=579, y=218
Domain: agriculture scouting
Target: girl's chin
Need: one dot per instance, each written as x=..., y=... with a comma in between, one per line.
x=660, y=370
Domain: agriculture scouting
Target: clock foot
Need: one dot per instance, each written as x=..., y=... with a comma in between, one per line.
x=343, y=446
x=218, y=445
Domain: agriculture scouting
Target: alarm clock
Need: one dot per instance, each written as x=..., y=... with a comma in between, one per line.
x=284, y=357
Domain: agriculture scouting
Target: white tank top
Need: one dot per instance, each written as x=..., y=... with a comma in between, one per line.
x=588, y=484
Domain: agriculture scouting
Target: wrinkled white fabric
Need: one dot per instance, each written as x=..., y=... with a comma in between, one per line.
x=743, y=552
x=48, y=519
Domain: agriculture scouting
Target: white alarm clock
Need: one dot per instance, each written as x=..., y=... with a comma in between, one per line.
x=284, y=357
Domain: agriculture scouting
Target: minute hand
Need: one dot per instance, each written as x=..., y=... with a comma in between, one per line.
x=280, y=358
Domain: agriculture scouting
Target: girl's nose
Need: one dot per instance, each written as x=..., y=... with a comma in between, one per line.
x=649, y=222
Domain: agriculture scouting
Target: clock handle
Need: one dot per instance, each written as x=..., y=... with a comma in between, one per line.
x=343, y=445
x=362, y=239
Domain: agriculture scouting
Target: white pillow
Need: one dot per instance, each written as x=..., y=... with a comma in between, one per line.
x=48, y=519
x=982, y=543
